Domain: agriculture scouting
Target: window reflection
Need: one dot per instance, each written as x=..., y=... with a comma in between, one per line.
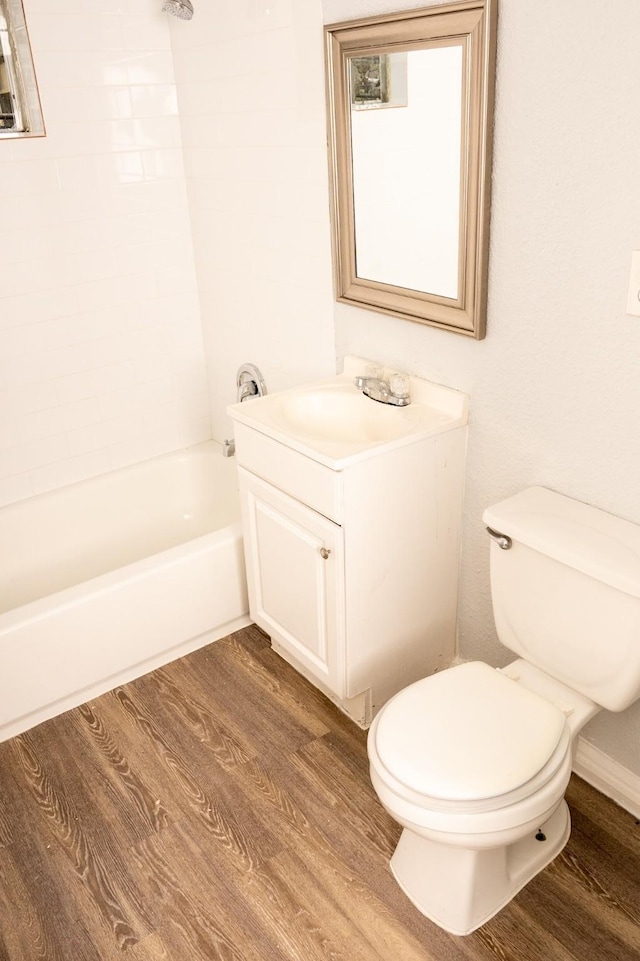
x=9, y=101
x=20, y=113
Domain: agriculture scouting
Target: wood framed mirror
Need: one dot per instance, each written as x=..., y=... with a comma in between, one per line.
x=410, y=107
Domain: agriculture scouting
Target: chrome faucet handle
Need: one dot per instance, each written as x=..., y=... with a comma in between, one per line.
x=399, y=384
x=249, y=382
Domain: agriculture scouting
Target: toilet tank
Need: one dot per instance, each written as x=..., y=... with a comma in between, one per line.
x=566, y=593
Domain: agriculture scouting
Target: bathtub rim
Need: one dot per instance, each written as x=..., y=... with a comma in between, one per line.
x=204, y=460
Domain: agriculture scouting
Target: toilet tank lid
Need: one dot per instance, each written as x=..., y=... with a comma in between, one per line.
x=585, y=538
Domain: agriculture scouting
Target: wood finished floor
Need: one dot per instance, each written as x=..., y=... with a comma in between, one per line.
x=220, y=808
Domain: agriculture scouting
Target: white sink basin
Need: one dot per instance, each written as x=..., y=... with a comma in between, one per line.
x=333, y=422
x=342, y=413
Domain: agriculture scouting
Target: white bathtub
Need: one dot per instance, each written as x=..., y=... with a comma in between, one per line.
x=108, y=579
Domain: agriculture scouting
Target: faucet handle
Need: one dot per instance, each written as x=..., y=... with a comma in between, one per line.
x=399, y=384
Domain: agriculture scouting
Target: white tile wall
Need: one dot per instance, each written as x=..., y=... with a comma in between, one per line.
x=251, y=102
x=101, y=354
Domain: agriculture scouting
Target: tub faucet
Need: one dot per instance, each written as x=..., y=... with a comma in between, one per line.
x=395, y=391
x=249, y=383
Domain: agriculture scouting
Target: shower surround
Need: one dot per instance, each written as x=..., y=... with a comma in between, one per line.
x=101, y=354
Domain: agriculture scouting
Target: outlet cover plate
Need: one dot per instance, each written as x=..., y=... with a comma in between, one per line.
x=633, y=298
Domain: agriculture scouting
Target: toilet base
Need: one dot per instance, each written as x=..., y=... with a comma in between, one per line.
x=460, y=889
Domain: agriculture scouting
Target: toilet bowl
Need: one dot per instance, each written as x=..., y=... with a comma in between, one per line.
x=477, y=781
x=484, y=812
x=473, y=762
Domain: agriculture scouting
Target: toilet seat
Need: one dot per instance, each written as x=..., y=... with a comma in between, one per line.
x=469, y=740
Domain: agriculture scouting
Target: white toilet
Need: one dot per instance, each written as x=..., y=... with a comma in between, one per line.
x=473, y=762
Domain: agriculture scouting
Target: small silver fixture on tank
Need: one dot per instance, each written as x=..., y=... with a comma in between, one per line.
x=182, y=9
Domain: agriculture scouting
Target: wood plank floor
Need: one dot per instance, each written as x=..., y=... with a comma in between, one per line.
x=220, y=808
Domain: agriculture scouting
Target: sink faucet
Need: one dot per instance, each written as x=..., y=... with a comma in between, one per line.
x=395, y=391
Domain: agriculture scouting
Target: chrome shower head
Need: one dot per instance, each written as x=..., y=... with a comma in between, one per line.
x=183, y=9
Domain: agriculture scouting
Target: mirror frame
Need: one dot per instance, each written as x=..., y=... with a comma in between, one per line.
x=24, y=84
x=473, y=23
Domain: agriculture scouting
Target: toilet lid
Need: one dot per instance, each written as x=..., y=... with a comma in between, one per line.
x=467, y=734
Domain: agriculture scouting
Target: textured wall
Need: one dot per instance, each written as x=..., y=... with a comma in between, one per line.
x=555, y=387
x=101, y=356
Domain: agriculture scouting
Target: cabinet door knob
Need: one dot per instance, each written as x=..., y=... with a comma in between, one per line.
x=324, y=553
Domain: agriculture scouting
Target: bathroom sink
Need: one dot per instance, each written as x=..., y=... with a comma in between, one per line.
x=339, y=412
x=333, y=422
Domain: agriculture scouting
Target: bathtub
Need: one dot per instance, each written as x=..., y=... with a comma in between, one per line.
x=105, y=580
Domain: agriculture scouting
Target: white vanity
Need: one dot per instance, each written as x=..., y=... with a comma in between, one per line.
x=351, y=512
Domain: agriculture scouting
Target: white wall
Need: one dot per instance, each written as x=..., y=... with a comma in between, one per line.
x=555, y=387
x=101, y=356
x=251, y=94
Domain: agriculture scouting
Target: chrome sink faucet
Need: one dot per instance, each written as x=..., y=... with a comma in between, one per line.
x=395, y=391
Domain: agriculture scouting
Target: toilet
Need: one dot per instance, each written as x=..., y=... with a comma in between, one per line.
x=473, y=762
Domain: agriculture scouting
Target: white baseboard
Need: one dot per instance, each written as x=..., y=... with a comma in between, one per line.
x=608, y=776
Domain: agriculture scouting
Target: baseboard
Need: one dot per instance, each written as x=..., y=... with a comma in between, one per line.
x=607, y=776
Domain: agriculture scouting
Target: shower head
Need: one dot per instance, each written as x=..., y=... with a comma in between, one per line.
x=183, y=9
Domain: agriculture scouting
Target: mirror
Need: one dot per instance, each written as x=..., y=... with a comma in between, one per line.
x=20, y=111
x=410, y=100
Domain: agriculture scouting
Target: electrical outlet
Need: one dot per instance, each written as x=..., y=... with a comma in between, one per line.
x=633, y=299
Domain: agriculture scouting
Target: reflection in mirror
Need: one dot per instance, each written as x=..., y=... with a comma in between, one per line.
x=20, y=112
x=410, y=107
x=406, y=173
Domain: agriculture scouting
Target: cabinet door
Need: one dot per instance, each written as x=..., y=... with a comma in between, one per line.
x=295, y=573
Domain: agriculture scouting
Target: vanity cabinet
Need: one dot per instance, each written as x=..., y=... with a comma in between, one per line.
x=295, y=559
x=352, y=563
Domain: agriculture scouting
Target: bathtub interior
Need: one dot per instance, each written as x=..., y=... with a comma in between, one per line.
x=72, y=535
